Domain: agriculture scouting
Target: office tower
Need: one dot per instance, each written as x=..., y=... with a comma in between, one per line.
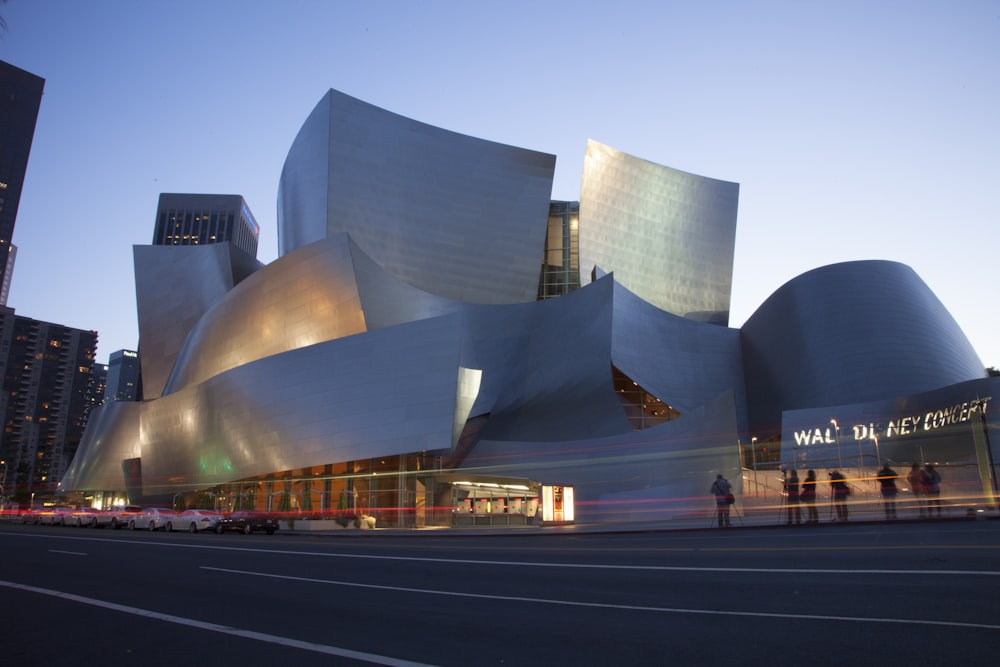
x=46, y=371
x=20, y=97
x=186, y=219
x=123, y=376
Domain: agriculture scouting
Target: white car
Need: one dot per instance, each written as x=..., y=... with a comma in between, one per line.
x=79, y=517
x=122, y=514
x=151, y=518
x=194, y=521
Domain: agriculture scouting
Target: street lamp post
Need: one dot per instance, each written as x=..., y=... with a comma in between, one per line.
x=836, y=427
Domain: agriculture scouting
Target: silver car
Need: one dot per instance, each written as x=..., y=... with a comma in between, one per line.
x=151, y=518
x=194, y=521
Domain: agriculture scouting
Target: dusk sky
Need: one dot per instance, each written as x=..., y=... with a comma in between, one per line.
x=856, y=130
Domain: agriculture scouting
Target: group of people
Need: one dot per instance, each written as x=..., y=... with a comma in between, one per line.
x=798, y=494
x=925, y=484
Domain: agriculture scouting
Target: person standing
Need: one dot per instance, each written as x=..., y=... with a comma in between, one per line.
x=840, y=491
x=887, y=481
x=807, y=496
x=792, y=497
x=916, y=479
x=722, y=490
x=932, y=490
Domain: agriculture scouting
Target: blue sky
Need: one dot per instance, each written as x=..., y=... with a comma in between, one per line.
x=857, y=130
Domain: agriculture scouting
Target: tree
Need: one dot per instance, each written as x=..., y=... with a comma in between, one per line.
x=992, y=372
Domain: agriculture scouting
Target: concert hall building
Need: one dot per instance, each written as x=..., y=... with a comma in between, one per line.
x=440, y=343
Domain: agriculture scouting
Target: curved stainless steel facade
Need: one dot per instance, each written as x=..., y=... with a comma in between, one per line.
x=400, y=312
x=453, y=215
x=849, y=333
x=667, y=235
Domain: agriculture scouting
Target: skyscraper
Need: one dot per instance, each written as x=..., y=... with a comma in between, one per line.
x=186, y=219
x=20, y=98
x=123, y=376
x=46, y=375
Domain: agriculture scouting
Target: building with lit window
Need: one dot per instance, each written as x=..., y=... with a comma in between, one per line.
x=123, y=383
x=200, y=219
x=439, y=343
x=20, y=99
x=46, y=370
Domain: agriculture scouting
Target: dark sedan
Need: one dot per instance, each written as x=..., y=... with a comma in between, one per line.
x=247, y=522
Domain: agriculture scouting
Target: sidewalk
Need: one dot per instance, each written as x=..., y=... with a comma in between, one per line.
x=746, y=514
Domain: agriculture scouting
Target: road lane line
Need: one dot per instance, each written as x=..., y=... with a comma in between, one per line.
x=224, y=629
x=604, y=605
x=511, y=563
x=71, y=553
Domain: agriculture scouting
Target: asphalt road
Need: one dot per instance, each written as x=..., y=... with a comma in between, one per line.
x=926, y=594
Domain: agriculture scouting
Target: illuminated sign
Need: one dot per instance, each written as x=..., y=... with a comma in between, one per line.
x=903, y=425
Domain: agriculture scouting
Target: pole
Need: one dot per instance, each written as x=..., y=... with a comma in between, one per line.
x=840, y=460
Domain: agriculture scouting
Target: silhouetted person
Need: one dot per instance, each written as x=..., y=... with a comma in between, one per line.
x=792, y=497
x=918, y=485
x=840, y=491
x=722, y=490
x=932, y=490
x=808, y=497
x=887, y=481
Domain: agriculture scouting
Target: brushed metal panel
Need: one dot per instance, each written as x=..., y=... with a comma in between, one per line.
x=391, y=391
x=174, y=287
x=455, y=216
x=112, y=436
x=299, y=300
x=849, y=333
x=667, y=235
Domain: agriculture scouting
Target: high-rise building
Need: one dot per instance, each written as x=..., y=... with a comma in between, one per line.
x=123, y=376
x=46, y=375
x=20, y=98
x=186, y=219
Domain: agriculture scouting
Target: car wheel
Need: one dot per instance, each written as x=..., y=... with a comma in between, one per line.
x=247, y=529
x=218, y=529
x=270, y=531
x=152, y=525
x=93, y=523
x=131, y=524
x=192, y=528
x=114, y=524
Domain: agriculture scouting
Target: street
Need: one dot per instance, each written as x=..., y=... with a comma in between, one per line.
x=886, y=593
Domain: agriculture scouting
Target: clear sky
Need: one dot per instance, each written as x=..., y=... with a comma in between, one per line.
x=856, y=130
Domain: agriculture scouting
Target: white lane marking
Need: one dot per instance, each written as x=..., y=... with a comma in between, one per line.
x=224, y=629
x=603, y=605
x=510, y=563
x=71, y=553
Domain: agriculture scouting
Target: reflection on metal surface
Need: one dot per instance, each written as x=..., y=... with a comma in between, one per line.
x=399, y=332
x=667, y=235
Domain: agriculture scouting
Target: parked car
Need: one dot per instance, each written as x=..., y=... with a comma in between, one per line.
x=151, y=518
x=247, y=522
x=33, y=514
x=194, y=521
x=79, y=517
x=57, y=516
x=121, y=514
x=102, y=518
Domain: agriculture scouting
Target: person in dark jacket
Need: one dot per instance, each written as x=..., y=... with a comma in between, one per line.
x=807, y=496
x=840, y=491
x=887, y=482
x=918, y=486
x=792, y=497
x=722, y=489
x=932, y=490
